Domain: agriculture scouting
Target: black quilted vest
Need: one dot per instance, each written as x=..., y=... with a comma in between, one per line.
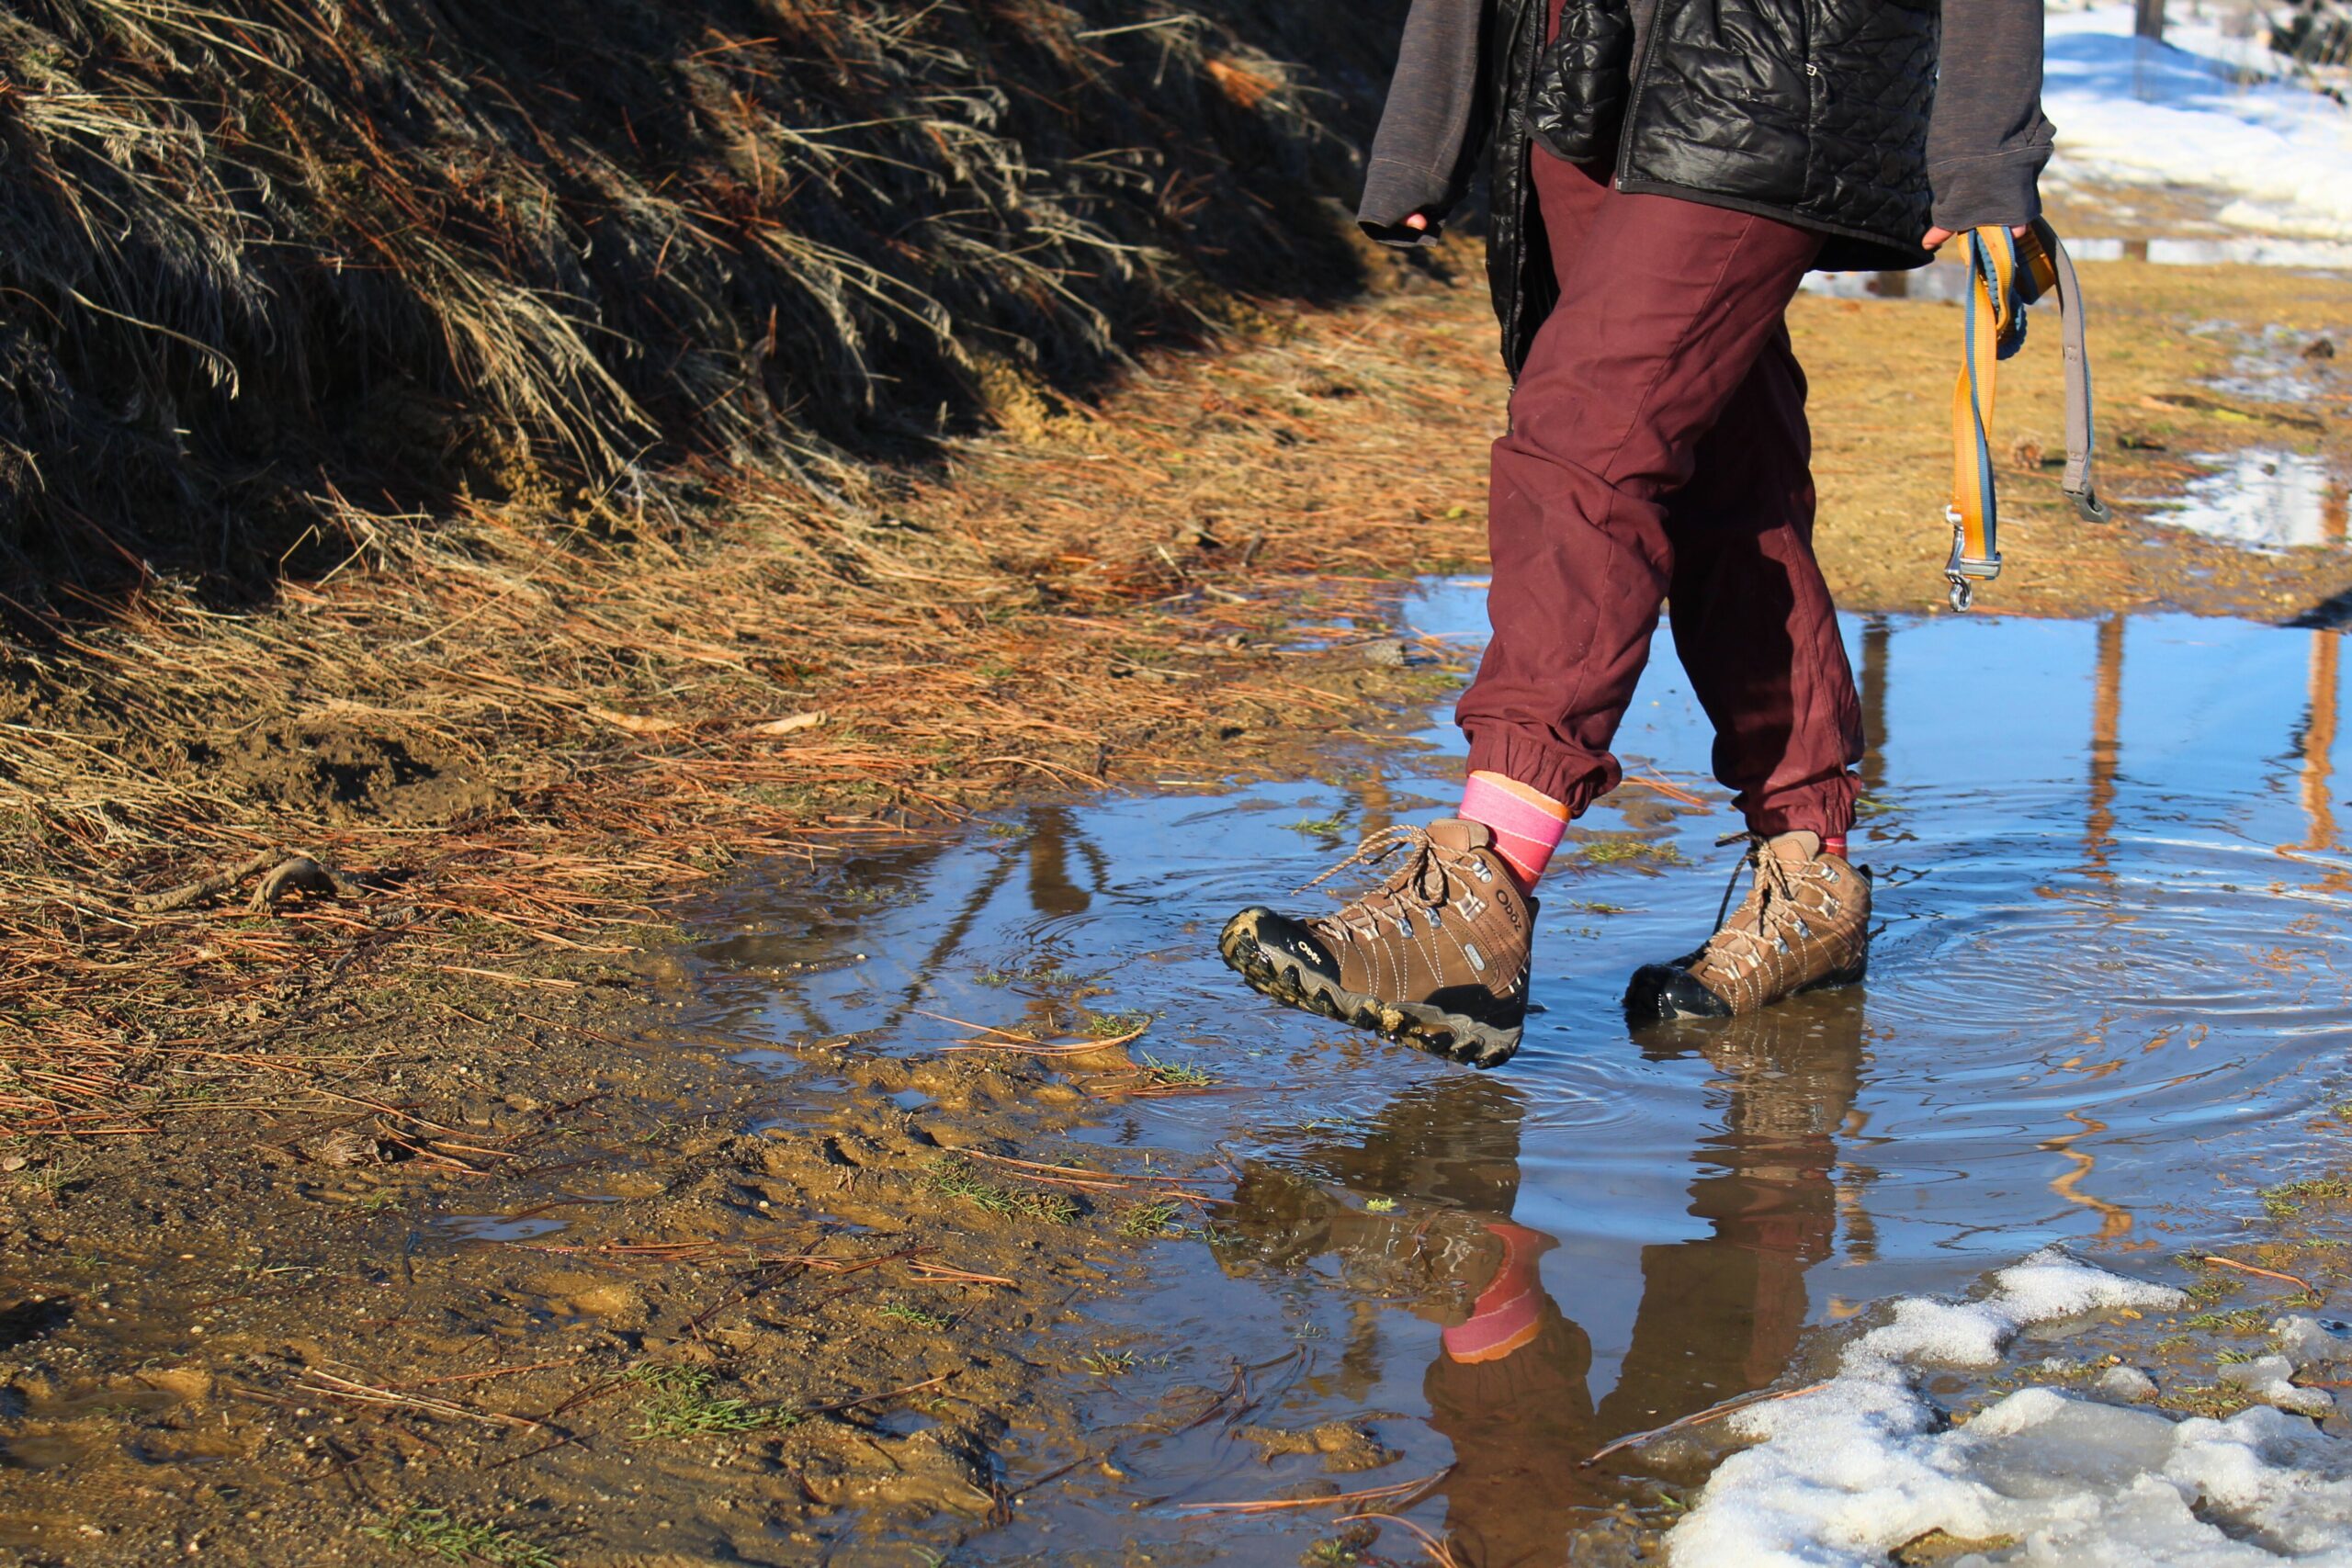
x=1813, y=111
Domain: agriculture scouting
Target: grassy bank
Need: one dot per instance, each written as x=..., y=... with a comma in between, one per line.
x=535, y=745
x=289, y=284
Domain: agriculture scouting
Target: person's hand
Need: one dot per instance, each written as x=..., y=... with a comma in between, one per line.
x=1418, y=222
x=1934, y=239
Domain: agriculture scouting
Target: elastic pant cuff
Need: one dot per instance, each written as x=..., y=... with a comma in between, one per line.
x=1825, y=808
x=1575, y=779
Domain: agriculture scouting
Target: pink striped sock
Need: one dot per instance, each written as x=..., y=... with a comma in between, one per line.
x=1527, y=823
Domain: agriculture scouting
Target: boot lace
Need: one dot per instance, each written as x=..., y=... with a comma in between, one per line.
x=1776, y=915
x=1421, y=879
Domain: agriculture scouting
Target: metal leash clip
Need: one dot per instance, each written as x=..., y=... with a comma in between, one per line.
x=1964, y=572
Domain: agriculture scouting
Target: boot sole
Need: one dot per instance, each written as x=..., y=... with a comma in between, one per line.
x=1659, y=993
x=1417, y=1024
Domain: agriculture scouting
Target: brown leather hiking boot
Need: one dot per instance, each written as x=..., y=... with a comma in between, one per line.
x=1804, y=924
x=1435, y=956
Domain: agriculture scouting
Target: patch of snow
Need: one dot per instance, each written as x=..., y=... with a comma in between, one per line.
x=2127, y=1383
x=1846, y=1474
x=2200, y=109
x=2309, y=255
x=2312, y=1342
x=2269, y=1379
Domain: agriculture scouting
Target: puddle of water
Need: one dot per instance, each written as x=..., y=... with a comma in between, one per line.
x=2109, y=996
x=2261, y=498
x=2286, y=366
x=498, y=1227
x=1947, y=277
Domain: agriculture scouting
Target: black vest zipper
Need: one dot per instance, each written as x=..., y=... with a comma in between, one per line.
x=1634, y=94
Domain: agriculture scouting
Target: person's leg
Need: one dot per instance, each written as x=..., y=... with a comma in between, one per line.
x=1752, y=619
x=1665, y=308
x=1527, y=823
x=1755, y=628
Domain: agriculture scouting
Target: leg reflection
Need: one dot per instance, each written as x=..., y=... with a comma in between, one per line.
x=1416, y=1209
x=1051, y=833
x=1721, y=1313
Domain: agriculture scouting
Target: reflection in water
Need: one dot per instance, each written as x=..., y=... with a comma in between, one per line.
x=2317, y=739
x=2106, y=756
x=2262, y=498
x=1876, y=635
x=1052, y=836
x=892, y=986
x=1510, y=1383
x=2106, y=750
x=2114, y=1220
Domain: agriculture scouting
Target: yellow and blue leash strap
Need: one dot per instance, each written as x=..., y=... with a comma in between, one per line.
x=1991, y=333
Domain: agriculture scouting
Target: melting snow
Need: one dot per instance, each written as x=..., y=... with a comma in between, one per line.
x=2126, y=1382
x=1847, y=1472
x=2268, y=1379
x=2313, y=1343
x=2200, y=109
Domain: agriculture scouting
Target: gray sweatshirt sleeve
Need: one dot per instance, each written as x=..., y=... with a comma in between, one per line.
x=1433, y=126
x=1986, y=139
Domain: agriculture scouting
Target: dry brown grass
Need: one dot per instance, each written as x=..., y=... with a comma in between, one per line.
x=283, y=280
x=453, y=443
x=590, y=730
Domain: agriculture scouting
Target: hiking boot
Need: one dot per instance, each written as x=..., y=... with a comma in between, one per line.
x=1435, y=955
x=1804, y=924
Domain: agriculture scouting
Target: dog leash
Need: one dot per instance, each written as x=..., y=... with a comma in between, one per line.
x=2006, y=274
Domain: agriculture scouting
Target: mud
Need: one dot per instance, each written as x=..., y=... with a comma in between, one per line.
x=619, y=1303
x=340, y=773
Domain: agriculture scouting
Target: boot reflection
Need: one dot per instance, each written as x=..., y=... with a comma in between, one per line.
x=1510, y=1385
x=1721, y=1313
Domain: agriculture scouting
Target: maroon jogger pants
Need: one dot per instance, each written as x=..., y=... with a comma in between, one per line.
x=1658, y=452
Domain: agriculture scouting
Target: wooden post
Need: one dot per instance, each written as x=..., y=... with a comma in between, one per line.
x=2148, y=21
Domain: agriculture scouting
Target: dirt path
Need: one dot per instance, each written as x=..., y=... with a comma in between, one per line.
x=244, y=1308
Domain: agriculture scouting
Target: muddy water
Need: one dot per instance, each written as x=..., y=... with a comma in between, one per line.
x=2108, y=1001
